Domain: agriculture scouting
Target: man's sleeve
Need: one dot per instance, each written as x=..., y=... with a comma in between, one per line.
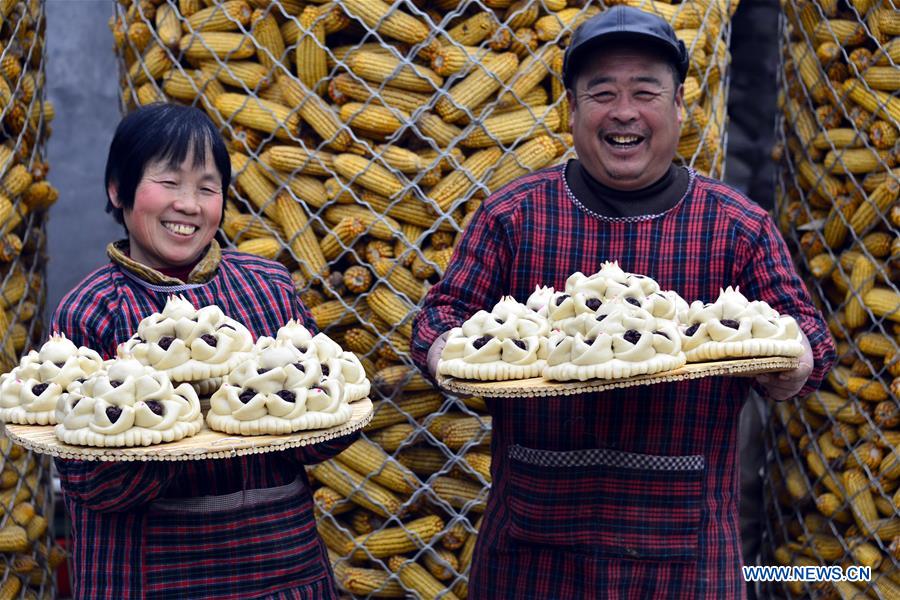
x=769, y=275
x=475, y=279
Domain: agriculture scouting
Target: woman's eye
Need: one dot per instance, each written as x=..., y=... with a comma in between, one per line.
x=209, y=190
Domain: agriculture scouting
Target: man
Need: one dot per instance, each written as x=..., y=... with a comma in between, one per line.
x=631, y=493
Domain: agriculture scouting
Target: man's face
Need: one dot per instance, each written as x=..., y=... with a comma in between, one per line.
x=626, y=117
x=176, y=213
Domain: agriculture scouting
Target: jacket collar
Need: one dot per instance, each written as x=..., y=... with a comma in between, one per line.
x=202, y=272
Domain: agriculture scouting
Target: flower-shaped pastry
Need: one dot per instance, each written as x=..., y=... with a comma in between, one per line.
x=539, y=300
x=623, y=340
x=343, y=363
x=187, y=343
x=127, y=404
x=28, y=393
x=510, y=342
x=735, y=327
x=279, y=390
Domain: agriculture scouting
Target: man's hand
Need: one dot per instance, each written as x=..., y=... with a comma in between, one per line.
x=781, y=386
x=434, y=353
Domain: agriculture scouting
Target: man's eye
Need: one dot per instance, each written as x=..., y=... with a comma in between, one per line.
x=168, y=183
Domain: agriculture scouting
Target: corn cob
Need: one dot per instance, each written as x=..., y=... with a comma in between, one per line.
x=513, y=126
x=555, y=25
x=473, y=30
x=531, y=72
x=334, y=535
x=378, y=226
x=365, y=457
x=860, y=499
x=843, y=31
x=341, y=236
x=874, y=206
x=459, y=493
x=357, y=488
x=874, y=344
x=391, y=438
x=415, y=405
x=255, y=185
x=316, y=113
x=300, y=236
x=332, y=313
x=377, y=67
x=441, y=563
x=400, y=377
x=417, y=578
x=454, y=185
x=310, y=61
x=357, y=279
x=345, y=88
x=268, y=38
x=152, y=65
x=397, y=540
x=422, y=461
x=216, y=45
x=400, y=278
x=10, y=588
x=387, y=20
x=331, y=502
x=259, y=114
x=369, y=175
x=463, y=431
x=831, y=405
x=13, y=538
x=230, y=15
x=266, y=247
x=876, y=102
x=477, y=87
x=370, y=582
x=371, y=120
x=530, y=156
x=391, y=308
x=883, y=303
x=862, y=279
x=298, y=161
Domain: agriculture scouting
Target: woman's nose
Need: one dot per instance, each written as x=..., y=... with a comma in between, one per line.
x=187, y=201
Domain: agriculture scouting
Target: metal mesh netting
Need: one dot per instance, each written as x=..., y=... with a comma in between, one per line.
x=27, y=554
x=834, y=457
x=363, y=136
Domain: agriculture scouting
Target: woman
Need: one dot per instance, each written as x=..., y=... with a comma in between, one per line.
x=232, y=528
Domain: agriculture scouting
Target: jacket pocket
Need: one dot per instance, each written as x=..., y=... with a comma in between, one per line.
x=606, y=502
x=241, y=545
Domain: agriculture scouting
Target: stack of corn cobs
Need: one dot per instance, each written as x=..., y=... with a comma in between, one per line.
x=29, y=558
x=837, y=453
x=389, y=122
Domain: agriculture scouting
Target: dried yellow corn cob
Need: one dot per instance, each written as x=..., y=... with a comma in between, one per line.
x=254, y=183
x=378, y=67
x=220, y=45
x=345, y=87
x=386, y=19
x=862, y=279
x=357, y=488
x=473, y=30
x=371, y=120
x=341, y=237
x=400, y=376
x=259, y=114
x=551, y=27
x=153, y=64
x=459, y=492
x=841, y=137
x=300, y=236
x=531, y=72
x=389, y=413
x=441, y=563
x=415, y=577
x=330, y=501
x=365, y=457
x=477, y=87
x=465, y=430
x=230, y=15
x=452, y=187
x=843, y=31
x=828, y=404
x=530, y=156
x=876, y=102
x=856, y=161
x=878, y=243
x=378, y=226
x=335, y=536
x=332, y=314
x=360, y=341
x=316, y=113
x=13, y=538
x=883, y=303
x=10, y=588
x=268, y=38
x=168, y=27
x=310, y=61
x=266, y=247
x=400, y=278
x=875, y=206
x=397, y=540
x=370, y=582
x=522, y=13
x=513, y=126
x=369, y=175
x=860, y=498
x=392, y=437
x=298, y=161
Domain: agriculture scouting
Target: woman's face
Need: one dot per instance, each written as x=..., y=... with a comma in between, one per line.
x=176, y=213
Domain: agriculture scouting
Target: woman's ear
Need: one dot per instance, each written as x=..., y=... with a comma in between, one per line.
x=113, y=194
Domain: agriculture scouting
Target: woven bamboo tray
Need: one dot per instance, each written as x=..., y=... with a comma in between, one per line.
x=538, y=386
x=206, y=444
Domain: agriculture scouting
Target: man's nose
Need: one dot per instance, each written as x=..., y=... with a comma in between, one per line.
x=623, y=109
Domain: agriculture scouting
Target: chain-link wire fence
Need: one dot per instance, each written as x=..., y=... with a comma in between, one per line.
x=363, y=136
x=834, y=457
x=27, y=552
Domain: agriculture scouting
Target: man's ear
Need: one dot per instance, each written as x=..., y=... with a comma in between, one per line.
x=113, y=193
x=570, y=97
x=679, y=102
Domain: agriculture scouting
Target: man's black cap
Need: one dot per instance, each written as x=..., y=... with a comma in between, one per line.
x=626, y=24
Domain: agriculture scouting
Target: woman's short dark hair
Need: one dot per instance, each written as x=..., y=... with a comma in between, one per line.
x=160, y=132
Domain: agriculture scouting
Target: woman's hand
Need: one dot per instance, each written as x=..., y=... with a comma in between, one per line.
x=782, y=386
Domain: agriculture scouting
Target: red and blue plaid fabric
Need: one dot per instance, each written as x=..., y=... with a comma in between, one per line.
x=121, y=546
x=631, y=493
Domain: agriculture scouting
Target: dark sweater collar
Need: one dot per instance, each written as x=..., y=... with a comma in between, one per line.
x=656, y=198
